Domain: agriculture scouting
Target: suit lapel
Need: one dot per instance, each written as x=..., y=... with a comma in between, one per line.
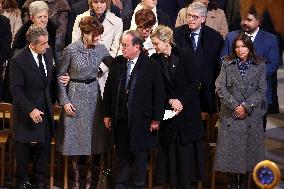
x=49, y=65
x=33, y=64
x=133, y=79
x=174, y=66
x=257, y=42
x=165, y=69
x=108, y=26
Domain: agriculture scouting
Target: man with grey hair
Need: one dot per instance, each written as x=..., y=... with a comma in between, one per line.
x=203, y=44
x=31, y=73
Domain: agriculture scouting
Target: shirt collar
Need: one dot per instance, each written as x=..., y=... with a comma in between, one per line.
x=134, y=60
x=197, y=32
x=253, y=35
x=33, y=52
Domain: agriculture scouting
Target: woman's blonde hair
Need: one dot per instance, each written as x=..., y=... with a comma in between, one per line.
x=164, y=33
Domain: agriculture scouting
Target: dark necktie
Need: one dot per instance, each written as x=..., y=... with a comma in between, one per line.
x=128, y=73
x=251, y=37
x=41, y=67
x=193, y=39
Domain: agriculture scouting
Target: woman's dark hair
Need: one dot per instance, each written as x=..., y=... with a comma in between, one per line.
x=247, y=42
x=89, y=24
x=9, y=4
x=212, y=5
x=145, y=18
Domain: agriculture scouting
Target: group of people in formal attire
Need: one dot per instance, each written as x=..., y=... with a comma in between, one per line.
x=120, y=76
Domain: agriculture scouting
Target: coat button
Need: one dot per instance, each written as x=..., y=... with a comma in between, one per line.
x=228, y=125
x=249, y=126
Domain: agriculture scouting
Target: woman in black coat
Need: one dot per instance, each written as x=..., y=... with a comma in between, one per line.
x=180, y=156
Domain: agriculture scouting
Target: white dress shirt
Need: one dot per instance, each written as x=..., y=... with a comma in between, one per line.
x=37, y=61
x=253, y=35
x=196, y=37
x=132, y=65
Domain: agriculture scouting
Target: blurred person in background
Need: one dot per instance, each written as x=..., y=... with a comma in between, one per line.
x=5, y=52
x=112, y=24
x=10, y=9
x=145, y=20
x=161, y=17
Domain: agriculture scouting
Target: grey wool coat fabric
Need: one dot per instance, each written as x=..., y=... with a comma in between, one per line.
x=76, y=135
x=240, y=142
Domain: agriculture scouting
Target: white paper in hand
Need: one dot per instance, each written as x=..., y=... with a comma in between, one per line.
x=169, y=114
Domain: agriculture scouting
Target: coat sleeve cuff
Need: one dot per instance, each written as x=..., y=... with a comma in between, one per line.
x=247, y=106
x=104, y=68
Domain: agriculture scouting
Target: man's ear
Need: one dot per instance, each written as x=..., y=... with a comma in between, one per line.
x=203, y=19
x=259, y=21
x=137, y=46
x=32, y=45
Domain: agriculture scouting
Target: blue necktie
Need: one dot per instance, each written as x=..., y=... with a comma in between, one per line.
x=193, y=40
x=128, y=74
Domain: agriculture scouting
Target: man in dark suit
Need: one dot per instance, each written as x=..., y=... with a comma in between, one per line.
x=5, y=47
x=266, y=46
x=31, y=72
x=204, y=44
x=134, y=98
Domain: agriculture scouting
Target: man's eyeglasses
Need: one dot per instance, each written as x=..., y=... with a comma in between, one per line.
x=193, y=17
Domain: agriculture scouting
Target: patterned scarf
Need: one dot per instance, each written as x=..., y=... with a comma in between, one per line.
x=243, y=66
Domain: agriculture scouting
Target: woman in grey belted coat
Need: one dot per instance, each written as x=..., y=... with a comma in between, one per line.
x=241, y=88
x=76, y=133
